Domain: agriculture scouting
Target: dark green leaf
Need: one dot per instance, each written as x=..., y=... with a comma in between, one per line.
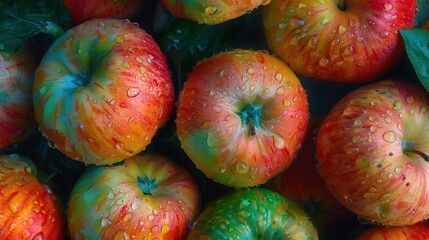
x=417, y=47
x=22, y=19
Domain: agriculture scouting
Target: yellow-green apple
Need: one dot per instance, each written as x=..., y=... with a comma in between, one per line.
x=209, y=11
x=16, y=105
x=84, y=10
x=149, y=196
x=29, y=209
x=418, y=231
x=255, y=213
x=302, y=183
x=372, y=151
x=102, y=91
x=338, y=40
x=242, y=117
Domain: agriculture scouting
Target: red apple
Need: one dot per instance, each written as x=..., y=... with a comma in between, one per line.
x=302, y=183
x=241, y=117
x=418, y=231
x=338, y=40
x=255, y=213
x=102, y=91
x=211, y=12
x=148, y=196
x=83, y=10
x=372, y=151
x=16, y=106
x=28, y=208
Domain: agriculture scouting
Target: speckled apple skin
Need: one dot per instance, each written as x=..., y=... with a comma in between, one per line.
x=218, y=139
x=363, y=158
x=107, y=203
x=256, y=213
x=211, y=11
x=102, y=91
x=418, y=231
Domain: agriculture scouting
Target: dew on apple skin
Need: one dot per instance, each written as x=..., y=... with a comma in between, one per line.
x=388, y=6
x=241, y=167
x=210, y=10
x=133, y=92
x=324, y=62
x=121, y=234
x=105, y=222
x=39, y=236
x=389, y=136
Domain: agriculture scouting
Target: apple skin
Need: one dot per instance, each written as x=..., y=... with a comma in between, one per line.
x=302, y=183
x=16, y=106
x=84, y=10
x=219, y=97
x=211, y=11
x=363, y=152
x=319, y=40
x=102, y=91
x=108, y=203
x=418, y=231
x=255, y=213
x=29, y=209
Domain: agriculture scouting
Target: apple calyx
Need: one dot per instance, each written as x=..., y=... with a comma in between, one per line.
x=408, y=146
x=146, y=184
x=250, y=116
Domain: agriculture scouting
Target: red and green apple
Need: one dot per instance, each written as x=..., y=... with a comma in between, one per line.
x=418, y=231
x=255, y=213
x=148, y=196
x=338, y=40
x=29, y=209
x=102, y=91
x=16, y=105
x=209, y=11
x=242, y=117
x=372, y=151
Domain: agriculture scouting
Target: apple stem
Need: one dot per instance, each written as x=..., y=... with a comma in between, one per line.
x=409, y=147
x=342, y=4
x=251, y=115
x=146, y=185
x=251, y=126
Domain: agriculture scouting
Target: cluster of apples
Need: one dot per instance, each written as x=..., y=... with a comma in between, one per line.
x=103, y=90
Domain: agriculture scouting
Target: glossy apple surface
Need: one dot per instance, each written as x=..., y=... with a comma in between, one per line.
x=302, y=183
x=102, y=91
x=372, y=152
x=29, y=209
x=16, y=106
x=84, y=10
x=211, y=11
x=242, y=117
x=256, y=213
x=418, y=231
x=148, y=196
x=341, y=41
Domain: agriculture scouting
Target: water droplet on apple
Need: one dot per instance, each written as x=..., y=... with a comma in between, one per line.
x=286, y=103
x=121, y=234
x=352, y=111
x=398, y=170
x=389, y=136
x=241, y=167
x=296, y=22
x=357, y=123
x=210, y=10
x=325, y=21
x=342, y=29
x=388, y=6
x=212, y=92
x=384, y=34
x=39, y=236
x=278, y=142
x=217, y=108
x=119, y=145
x=250, y=71
x=282, y=25
x=133, y=92
x=324, y=62
x=105, y=222
x=280, y=91
x=150, y=218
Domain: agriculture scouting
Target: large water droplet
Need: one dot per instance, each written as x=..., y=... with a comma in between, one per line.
x=210, y=10
x=388, y=6
x=279, y=142
x=133, y=92
x=105, y=222
x=241, y=167
x=389, y=136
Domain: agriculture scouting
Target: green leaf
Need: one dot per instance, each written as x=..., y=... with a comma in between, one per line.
x=22, y=19
x=417, y=47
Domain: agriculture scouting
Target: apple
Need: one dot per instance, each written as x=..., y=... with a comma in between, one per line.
x=338, y=40
x=16, y=106
x=302, y=183
x=242, y=117
x=149, y=196
x=418, y=231
x=84, y=10
x=372, y=151
x=211, y=12
x=255, y=213
x=102, y=91
x=29, y=209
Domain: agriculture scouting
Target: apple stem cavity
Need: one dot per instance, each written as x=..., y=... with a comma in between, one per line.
x=251, y=116
x=146, y=184
x=408, y=146
x=342, y=5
